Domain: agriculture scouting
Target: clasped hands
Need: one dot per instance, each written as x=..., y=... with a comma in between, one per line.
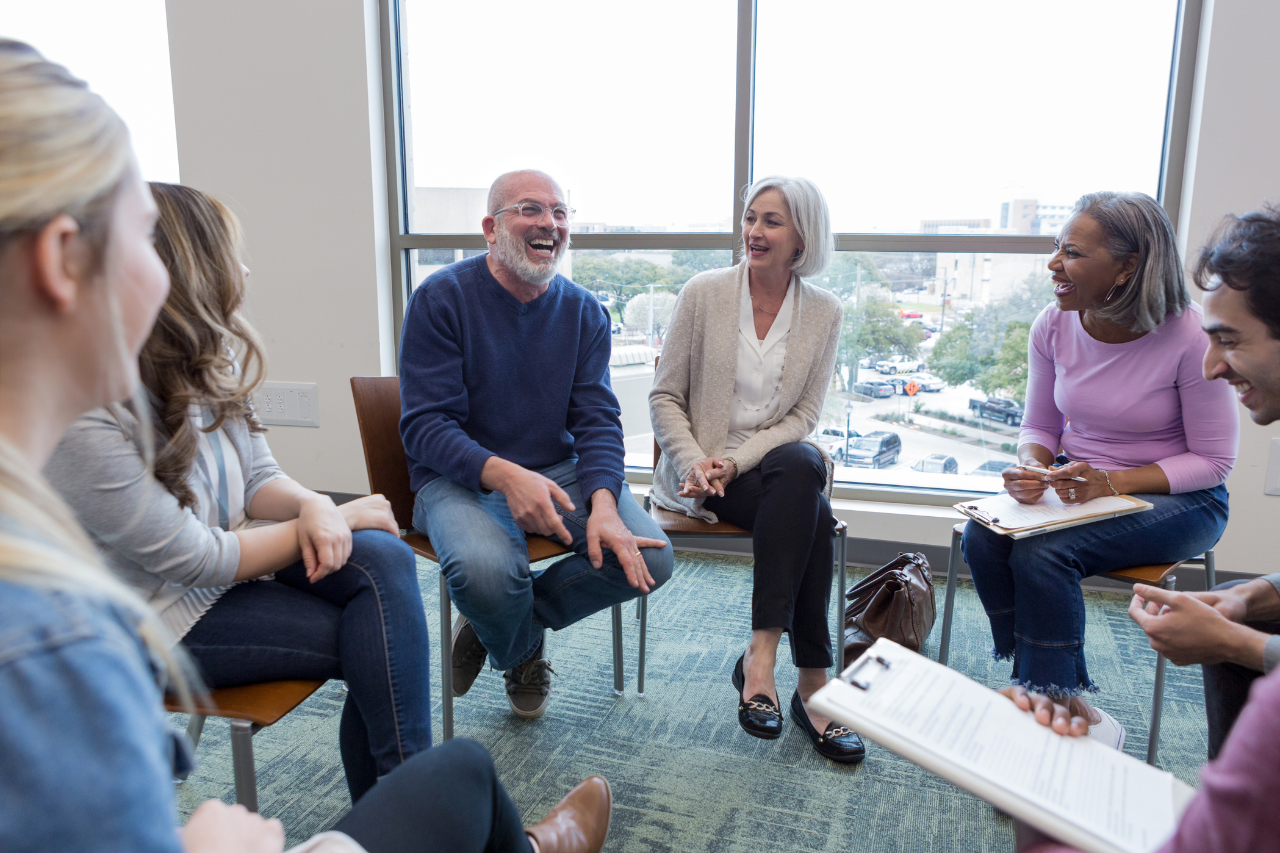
x=532, y=498
x=708, y=478
x=1026, y=487
x=324, y=530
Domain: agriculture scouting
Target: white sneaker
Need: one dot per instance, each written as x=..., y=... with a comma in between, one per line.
x=1107, y=731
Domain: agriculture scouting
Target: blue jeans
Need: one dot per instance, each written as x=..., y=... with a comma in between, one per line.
x=1030, y=588
x=363, y=623
x=484, y=557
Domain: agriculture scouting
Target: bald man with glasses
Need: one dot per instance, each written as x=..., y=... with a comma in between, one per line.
x=511, y=427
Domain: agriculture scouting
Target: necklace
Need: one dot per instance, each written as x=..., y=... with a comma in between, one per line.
x=764, y=310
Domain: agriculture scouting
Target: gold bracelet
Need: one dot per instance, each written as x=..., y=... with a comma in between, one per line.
x=1114, y=493
x=735, y=464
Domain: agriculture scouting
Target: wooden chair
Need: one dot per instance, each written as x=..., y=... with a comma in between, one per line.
x=250, y=708
x=677, y=525
x=377, y=400
x=1159, y=574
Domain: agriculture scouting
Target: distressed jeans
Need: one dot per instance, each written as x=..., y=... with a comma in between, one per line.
x=1030, y=588
x=485, y=560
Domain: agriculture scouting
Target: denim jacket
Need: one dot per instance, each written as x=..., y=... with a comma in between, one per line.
x=87, y=758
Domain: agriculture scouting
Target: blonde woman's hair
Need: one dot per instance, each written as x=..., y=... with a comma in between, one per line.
x=64, y=151
x=201, y=351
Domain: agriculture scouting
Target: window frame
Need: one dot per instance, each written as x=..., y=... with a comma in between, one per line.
x=402, y=240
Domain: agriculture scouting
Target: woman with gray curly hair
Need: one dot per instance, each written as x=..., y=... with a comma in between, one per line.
x=746, y=364
x=1116, y=404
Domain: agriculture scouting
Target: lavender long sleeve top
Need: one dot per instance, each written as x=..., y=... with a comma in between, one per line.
x=1120, y=406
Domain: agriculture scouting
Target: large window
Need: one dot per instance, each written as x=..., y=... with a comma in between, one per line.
x=937, y=116
x=651, y=106
x=951, y=140
x=122, y=49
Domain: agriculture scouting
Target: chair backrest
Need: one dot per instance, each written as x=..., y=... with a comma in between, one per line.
x=378, y=414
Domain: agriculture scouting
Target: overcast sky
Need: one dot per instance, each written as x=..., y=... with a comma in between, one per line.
x=902, y=111
x=916, y=109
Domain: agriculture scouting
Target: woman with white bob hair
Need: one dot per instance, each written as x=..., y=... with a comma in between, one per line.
x=745, y=366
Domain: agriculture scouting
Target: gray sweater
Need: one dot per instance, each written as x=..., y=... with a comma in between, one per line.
x=157, y=547
x=693, y=389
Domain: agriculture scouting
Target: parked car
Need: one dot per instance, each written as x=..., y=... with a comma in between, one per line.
x=898, y=364
x=616, y=328
x=873, y=388
x=878, y=449
x=832, y=440
x=909, y=315
x=868, y=361
x=923, y=381
x=899, y=383
x=992, y=468
x=928, y=382
x=605, y=297
x=997, y=408
x=937, y=463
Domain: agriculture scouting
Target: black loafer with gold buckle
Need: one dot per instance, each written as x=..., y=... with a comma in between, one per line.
x=838, y=743
x=758, y=716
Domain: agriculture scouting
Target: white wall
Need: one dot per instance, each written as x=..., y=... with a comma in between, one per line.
x=1234, y=154
x=279, y=113
x=278, y=109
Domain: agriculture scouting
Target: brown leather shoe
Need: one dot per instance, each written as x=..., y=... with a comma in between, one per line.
x=579, y=822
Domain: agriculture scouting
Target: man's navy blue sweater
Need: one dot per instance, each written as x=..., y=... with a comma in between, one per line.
x=482, y=374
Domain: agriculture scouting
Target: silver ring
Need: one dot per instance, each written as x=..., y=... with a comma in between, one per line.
x=1071, y=493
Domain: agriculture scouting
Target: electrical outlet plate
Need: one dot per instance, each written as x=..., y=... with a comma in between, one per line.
x=1273, y=468
x=288, y=404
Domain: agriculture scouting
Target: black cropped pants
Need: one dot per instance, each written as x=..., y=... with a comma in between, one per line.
x=781, y=502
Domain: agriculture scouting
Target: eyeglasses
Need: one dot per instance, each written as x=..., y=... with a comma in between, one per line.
x=531, y=211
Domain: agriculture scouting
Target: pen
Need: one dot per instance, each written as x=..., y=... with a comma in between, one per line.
x=1035, y=470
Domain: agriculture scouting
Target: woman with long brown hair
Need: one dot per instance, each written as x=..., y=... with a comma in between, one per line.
x=344, y=600
x=86, y=748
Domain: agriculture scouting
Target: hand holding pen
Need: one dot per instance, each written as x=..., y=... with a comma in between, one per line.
x=1026, y=482
x=1079, y=482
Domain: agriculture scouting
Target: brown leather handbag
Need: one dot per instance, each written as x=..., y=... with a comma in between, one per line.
x=894, y=601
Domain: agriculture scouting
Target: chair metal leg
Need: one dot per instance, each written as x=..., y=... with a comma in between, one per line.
x=842, y=553
x=617, y=650
x=643, y=605
x=242, y=764
x=949, y=603
x=1210, y=573
x=446, y=660
x=1157, y=700
x=195, y=727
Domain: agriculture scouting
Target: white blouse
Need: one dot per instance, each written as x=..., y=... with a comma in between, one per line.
x=757, y=386
x=218, y=484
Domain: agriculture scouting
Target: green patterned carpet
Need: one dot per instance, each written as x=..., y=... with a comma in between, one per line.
x=684, y=776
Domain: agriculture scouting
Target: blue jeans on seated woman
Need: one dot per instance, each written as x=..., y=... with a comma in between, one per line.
x=484, y=557
x=1030, y=588
x=363, y=623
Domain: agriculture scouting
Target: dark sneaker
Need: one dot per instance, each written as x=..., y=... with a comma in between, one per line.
x=529, y=686
x=469, y=655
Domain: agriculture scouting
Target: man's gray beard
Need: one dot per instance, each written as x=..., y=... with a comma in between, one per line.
x=510, y=252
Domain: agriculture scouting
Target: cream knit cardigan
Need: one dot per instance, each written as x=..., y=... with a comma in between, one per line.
x=693, y=388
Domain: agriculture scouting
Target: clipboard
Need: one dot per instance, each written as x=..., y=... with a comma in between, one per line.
x=1078, y=791
x=1002, y=514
